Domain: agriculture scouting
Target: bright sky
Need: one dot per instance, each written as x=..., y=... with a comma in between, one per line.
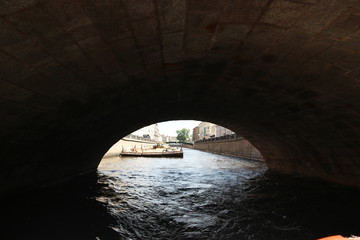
x=169, y=128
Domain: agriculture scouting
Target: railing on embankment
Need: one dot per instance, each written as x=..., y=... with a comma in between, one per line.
x=138, y=138
x=230, y=145
x=180, y=144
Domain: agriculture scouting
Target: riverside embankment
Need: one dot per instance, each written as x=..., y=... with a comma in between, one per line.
x=236, y=147
x=128, y=143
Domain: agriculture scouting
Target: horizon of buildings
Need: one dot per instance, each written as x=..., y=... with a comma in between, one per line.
x=204, y=130
x=207, y=130
x=152, y=132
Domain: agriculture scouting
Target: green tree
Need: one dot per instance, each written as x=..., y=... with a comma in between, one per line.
x=183, y=135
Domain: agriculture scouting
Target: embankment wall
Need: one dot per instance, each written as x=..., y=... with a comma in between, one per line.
x=235, y=147
x=126, y=143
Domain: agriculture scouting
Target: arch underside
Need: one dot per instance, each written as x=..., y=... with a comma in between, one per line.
x=78, y=75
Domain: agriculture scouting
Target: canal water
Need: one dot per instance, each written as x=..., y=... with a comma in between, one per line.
x=200, y=196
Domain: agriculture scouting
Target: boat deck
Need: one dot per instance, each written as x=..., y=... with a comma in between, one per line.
x=148, y=153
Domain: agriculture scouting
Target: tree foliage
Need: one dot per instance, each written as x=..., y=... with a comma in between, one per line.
x=183, y=135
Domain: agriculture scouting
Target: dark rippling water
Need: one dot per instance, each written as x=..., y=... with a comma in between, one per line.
x=202, y=196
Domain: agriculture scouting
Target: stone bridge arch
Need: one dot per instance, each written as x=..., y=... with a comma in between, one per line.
x=75, y=75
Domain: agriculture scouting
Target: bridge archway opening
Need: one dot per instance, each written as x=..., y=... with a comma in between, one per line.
x=200, y=135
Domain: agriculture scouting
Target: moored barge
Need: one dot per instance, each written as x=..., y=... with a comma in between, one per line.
x=158, y=150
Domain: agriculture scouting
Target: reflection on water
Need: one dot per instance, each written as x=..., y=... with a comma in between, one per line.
x=202, y=196
x=208, y=196
x=174, y=197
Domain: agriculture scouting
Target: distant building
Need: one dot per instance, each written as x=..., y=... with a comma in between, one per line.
x=157, y=135
x=164, y=137
x=151, y=132
x=196, y=135
x=207, y=130
x=221, y=131
x=169, y=138
x=173, y=139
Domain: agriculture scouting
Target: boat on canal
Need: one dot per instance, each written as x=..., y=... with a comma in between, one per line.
x=158, y=150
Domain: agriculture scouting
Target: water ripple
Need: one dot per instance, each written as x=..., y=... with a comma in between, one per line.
x=203, y=196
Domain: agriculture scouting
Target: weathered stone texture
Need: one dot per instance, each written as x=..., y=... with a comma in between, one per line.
x=242, y=11
x=173, y=47
x=146, y=31
x=80, y=74
x=140, y=9
x=283, y=13
x=238, y=148
x=172, y=15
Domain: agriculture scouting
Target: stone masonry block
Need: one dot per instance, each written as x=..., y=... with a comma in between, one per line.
x=275, y=54
x=288, y=43
x=355, y=74
x=109, y=18
x=124, y=47
x=13, y=70
x=155, y=69
x=9, y=34
x=72, y=56
x=35, y=22
x=115, y=30
x=247, y=53
x=202, y=23
x=172, y=15
x=342, y=26
x=146, y=31
x=140, y=8
x=92, y=43
x=127, y=53
x=69, y=13
x=283, y=13
x=172, y=47
x=56, y=44
x=94, y=77
x=11, y=109
x=334, y=54
x=106, y=60
x=231, y=32
x=13, y=92
x=152, y=54
x=199, y=42
x=314, y=47
x=293, y=38
x=318, y=16
x=36, y=57
x=70, y=82
x=242, y=11
x=203, y=5
x=263, y=35
x=311, y=66
x=224, y=46
x=44, y=86
x=351, y=41
x=10, y=6
x=48, y=67
x=103, y=10
x=83, y=32
x=350, y=62
x=119, y=78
